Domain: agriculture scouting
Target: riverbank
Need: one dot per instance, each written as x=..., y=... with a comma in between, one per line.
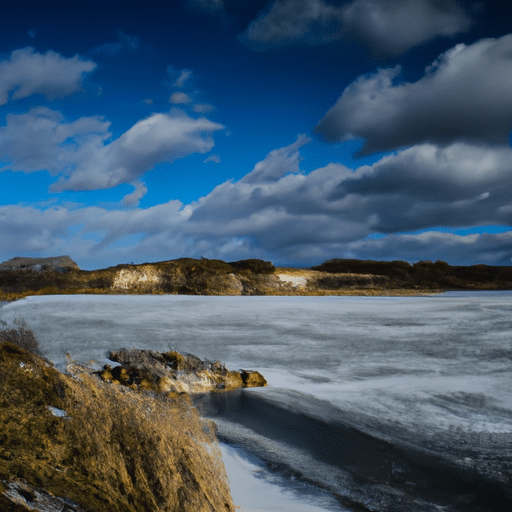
x=23, y=277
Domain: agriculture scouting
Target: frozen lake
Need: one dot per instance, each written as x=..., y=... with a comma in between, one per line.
x=387, y=403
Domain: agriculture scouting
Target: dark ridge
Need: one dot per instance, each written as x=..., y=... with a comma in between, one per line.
x=254, y=265
x=425, y=274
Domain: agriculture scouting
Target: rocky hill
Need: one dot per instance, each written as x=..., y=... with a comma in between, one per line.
x=20, y=277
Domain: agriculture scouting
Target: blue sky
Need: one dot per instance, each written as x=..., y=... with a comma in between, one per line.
x=290, y=130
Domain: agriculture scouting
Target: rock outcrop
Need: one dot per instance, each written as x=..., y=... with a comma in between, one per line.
x=73, y=442
x=172, y=372
x=59, y=264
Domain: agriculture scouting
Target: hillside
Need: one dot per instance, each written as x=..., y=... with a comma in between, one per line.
x=22, y=277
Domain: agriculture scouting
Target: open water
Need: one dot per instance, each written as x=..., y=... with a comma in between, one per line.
x=374, y=403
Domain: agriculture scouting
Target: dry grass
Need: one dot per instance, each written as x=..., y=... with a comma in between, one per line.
x=20, y=336
x=116, y=450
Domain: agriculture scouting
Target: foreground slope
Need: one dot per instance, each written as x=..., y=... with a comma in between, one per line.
x=73, y=442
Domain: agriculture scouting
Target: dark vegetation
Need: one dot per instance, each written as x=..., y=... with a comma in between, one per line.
x=19, y=335
x=181, y=276
x=425, y=275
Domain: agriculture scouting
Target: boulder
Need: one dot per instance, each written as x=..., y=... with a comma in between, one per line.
x=172, y=372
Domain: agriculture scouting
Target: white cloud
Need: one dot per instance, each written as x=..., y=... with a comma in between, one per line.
x=159, y=138
x=179, y=98
x=133, y=199
x=212, y=158
x=203, y=108
x=393, y=27
x=26, y=72
x=279, y=213
x=79, y=152
x=487, y=248
x=277, y=163
x=184, y=75
x=42, y=140
x=466, y=95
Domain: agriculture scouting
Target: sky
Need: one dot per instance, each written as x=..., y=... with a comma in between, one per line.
x=294, y=131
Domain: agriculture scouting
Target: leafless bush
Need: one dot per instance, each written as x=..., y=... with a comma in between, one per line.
x=20, y=335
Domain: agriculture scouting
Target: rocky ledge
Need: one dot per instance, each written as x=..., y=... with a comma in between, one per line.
x=73, y=442
x=172, y=372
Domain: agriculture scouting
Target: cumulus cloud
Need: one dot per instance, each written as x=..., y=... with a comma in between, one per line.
x=159, y=138
x=277, y=163
x=31, y=230
x=486, y=248
x=212, y=158
x=133, y=199
x=43, y=140
x=391, y=209
x=27, y=72
x=426, y=186
x=333, y=207
x=293, y=20
x=93, y=237
x=184, y=75
x=277, y=206
x=179, y=98
x=465, y=96
x=386, y=27
x=393, y=27
x=179, y=77
x=203, y=108
x=80, y=152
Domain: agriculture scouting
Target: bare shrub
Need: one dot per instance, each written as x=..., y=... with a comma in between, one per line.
x=20, y=335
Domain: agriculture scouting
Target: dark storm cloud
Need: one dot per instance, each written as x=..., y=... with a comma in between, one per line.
x=426, y=186
x=465, y=95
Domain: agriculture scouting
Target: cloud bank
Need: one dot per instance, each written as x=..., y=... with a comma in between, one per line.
x=464, y=96
x=389, y=210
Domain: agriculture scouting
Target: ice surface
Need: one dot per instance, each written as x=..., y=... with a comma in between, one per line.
x=437, y=368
